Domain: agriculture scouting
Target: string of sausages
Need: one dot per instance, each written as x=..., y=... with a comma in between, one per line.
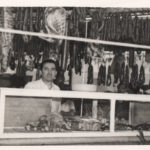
x=137, y=79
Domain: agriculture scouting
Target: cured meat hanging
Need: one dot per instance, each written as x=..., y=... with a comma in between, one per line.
x=77, y=53
x=122, y=73
x=116, y=72
x=78, y=64
x=65, y=52
x=131, y=58
x=25, y=24
x=101, y=75
x=7, y=22
x=123, y=86
x=90, y=72
x=129, y=22
x=134, y=77
x=141, y=76
x=55, y=23
x=126, y=79
x=108, y=82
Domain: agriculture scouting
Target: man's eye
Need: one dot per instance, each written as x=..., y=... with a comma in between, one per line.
x=45, y=68
x=53, y=69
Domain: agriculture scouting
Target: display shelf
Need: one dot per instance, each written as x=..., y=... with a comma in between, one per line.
x=112, y=97
x=22, y=130
x=74, y=94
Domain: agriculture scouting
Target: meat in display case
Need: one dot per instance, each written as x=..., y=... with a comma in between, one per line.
x=33, y=114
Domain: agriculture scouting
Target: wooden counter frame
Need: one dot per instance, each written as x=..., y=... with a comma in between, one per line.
x=71, y=94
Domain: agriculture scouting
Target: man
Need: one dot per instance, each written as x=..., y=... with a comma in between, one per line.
x=49, y=72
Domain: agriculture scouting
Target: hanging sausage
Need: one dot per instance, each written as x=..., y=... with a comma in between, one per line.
x=134, y=77
x=75, y=52
x=141, y=76
x=78, y=64
x=146, y=30
x=25, y=24
x=122, y=72
x=108, y=82
x=136, y=36
x=101, y=75
x=109, y=28
x=131, y=58
x=116, y=72
x=117, y=17
x=65, y=51
x=114, y=27
x=69, y=69
x=130, y=27
x=126, y=79
x=90, y=72
x=31, y=21
x=61, y=78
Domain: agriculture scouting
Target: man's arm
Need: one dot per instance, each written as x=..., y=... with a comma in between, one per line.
x=28, y=86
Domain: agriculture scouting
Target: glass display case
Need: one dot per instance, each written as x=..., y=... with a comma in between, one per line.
x=19, y=107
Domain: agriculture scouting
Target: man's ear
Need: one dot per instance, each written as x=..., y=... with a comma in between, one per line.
x=55, y=74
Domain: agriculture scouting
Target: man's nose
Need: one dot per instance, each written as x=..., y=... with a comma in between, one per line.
x=50, y=71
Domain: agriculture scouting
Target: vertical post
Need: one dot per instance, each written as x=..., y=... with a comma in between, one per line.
x=106, y=73
x=112, y=115
x=86, y=28
x=81, y=110
x=83, y=78
x=94, y=109
x=2, y=113
x=131, y=109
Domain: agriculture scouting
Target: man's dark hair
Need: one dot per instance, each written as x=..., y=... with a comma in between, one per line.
x=49, y=61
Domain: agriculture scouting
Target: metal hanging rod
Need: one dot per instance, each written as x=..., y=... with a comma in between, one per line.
x=86, y=40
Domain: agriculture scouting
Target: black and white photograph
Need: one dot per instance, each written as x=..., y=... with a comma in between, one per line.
x=74, y=76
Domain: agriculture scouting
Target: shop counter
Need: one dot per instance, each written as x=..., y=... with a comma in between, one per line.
x=18, y=106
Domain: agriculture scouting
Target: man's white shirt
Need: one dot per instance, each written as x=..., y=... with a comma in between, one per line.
x=39, y=84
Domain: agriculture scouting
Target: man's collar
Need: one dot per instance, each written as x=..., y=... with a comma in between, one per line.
x=46, y=84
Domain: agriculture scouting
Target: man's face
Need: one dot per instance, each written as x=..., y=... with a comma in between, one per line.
x=49, y=72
